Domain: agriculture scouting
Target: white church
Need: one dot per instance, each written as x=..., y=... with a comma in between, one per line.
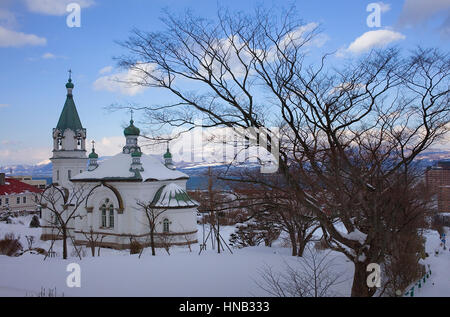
x=115, y=185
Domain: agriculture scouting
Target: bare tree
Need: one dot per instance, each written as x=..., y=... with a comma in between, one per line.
x=312, y=276
x=63, y=205
x=152, y=215
x=276, y=207
x=350, y=131
x=92, y=239
x=165, y=239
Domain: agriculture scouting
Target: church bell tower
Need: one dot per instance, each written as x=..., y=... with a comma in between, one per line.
x=69, y=142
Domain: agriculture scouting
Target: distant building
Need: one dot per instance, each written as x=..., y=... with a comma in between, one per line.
x=16, y=195
x=38, y=183
x=438, y=180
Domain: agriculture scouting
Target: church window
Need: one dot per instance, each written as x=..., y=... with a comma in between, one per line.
x=57, y=175
x=69, y=174
x=79, y=141
x=18, y=200
x=111, y=216
x=166, y=225
x=24, y=199
x=6, y=201
x=103, y=216
x=59, y=141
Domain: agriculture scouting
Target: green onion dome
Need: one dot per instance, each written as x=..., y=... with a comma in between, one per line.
x=131, y=130
x=167, y=154
x=93, y=154
x=69, y=84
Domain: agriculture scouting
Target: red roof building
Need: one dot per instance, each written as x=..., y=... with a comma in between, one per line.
x=16, y=195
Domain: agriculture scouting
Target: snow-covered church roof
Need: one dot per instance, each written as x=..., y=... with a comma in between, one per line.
x=130, y=165
x=117, y=168
x=172, y=196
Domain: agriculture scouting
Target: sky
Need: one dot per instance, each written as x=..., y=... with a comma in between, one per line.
x=37, y=48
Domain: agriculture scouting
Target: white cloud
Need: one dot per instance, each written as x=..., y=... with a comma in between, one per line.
x=124, y=82
x=4, y=105
x=109, y=146
x=28, y=155
x=54, y=7
x=228, y=47
x=415, y=12
x=105, y=70
x=10, y=38
x=302, y=33
x=48, y=56
x=372, y=39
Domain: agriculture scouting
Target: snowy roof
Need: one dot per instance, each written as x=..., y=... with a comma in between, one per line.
x=172, y=196
x=117, y=168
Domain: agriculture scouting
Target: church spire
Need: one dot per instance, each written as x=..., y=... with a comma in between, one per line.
x=69, y=141
x=131, y=134
x=69, y=118
x=69, y=84
x=168, y=158
x=93, y=158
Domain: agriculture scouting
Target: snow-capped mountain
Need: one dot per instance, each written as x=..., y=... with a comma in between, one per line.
x=197, y=171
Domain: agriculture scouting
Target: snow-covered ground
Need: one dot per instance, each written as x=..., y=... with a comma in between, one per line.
x=439, y=282
x=183, y=273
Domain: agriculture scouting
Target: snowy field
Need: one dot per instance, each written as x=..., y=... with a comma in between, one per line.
x=183, y=273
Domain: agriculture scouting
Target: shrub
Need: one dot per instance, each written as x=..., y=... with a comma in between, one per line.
x=135, y=247
x=10, y=245
x=35, y=222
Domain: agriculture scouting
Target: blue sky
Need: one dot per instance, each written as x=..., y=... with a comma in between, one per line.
x=37, y=48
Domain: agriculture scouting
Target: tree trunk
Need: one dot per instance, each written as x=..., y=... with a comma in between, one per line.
x=218, y=235
x=359, y=287
x=293, y=243
x=64, y=235
x=93, y=248
x=152, y=241
x=301, y=248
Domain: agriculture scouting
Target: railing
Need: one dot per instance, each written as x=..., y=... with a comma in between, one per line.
x=419, y=283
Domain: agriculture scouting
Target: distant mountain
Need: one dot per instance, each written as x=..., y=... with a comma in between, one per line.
x=196, y=171
x=33, y=170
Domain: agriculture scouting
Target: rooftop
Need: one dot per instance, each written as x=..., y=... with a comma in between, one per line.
x=13, y=187
x=117, y=168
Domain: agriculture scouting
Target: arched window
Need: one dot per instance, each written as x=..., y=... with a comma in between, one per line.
x=103, y=209
x=59, y=142
x=111, y=216
x=79, y=146
x=166, y=225
x=57, y=175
